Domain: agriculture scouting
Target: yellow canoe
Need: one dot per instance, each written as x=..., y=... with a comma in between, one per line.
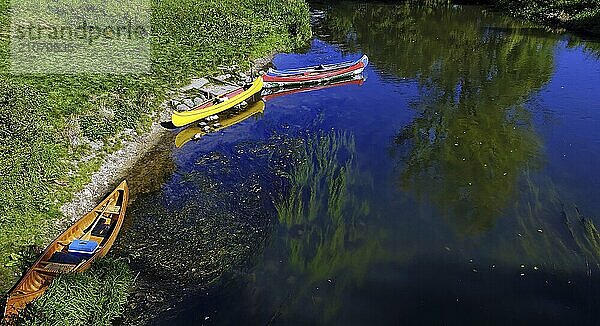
x=202, y=111
x=189, y=133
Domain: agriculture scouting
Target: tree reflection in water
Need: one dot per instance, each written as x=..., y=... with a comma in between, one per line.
x=472, y=136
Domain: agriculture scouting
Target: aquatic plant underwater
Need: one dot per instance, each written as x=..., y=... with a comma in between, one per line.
x=473, y=149
x=331, y=240
x=329, y=235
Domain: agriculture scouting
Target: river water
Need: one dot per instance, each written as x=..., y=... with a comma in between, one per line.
x=457, y=183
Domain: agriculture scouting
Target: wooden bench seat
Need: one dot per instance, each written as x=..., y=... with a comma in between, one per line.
x=56, y=268
x=109, y=210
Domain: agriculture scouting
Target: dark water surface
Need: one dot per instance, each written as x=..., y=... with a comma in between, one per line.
x=458, y=184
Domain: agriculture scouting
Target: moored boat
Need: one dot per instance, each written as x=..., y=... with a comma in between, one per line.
x=90, y=238
x=218, y=105
x=316, y=74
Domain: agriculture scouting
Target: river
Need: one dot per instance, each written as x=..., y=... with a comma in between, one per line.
x=457, y=183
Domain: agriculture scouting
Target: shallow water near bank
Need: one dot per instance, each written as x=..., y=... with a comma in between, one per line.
x=456, y=184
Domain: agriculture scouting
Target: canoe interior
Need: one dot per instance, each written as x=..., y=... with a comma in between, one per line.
x=273, y=81
x=183, y=118
x=320, y=68
x=314, y=73
x=211, y=102
x=101, y=225
x=317, y=70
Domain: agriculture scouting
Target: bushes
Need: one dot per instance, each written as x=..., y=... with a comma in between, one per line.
x=581, y=15
x=577, y=15
x=223, y=32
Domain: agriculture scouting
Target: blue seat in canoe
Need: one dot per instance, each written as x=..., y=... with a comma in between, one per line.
x=84, y=247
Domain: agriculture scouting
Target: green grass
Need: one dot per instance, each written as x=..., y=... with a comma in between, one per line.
x=95, y=297
x=47, y=121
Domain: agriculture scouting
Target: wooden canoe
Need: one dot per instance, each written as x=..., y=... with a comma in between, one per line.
x=211, y=107
x=317, y=74
x=101, y=226
x=190, y=133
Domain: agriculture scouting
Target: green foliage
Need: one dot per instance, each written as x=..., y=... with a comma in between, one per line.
x=94, y=297
x=195, y=37
x=581, y=15
x=578, y=15
x=46, y=121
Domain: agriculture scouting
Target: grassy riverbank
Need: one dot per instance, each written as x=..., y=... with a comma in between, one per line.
x=49, y=124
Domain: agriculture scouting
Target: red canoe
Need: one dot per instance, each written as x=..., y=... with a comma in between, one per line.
x=316, y=74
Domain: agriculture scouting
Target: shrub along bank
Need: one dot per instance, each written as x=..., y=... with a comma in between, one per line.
x=577, y=15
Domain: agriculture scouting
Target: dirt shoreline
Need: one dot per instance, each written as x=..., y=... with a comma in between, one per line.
x=118, y=165
x=114, y=169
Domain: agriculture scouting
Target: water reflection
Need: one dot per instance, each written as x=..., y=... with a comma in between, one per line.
x=304, y=217
x=270, y=94
x=195, y=132
x=472, y=136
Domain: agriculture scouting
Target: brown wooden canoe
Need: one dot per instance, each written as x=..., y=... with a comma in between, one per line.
x=99, y=228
